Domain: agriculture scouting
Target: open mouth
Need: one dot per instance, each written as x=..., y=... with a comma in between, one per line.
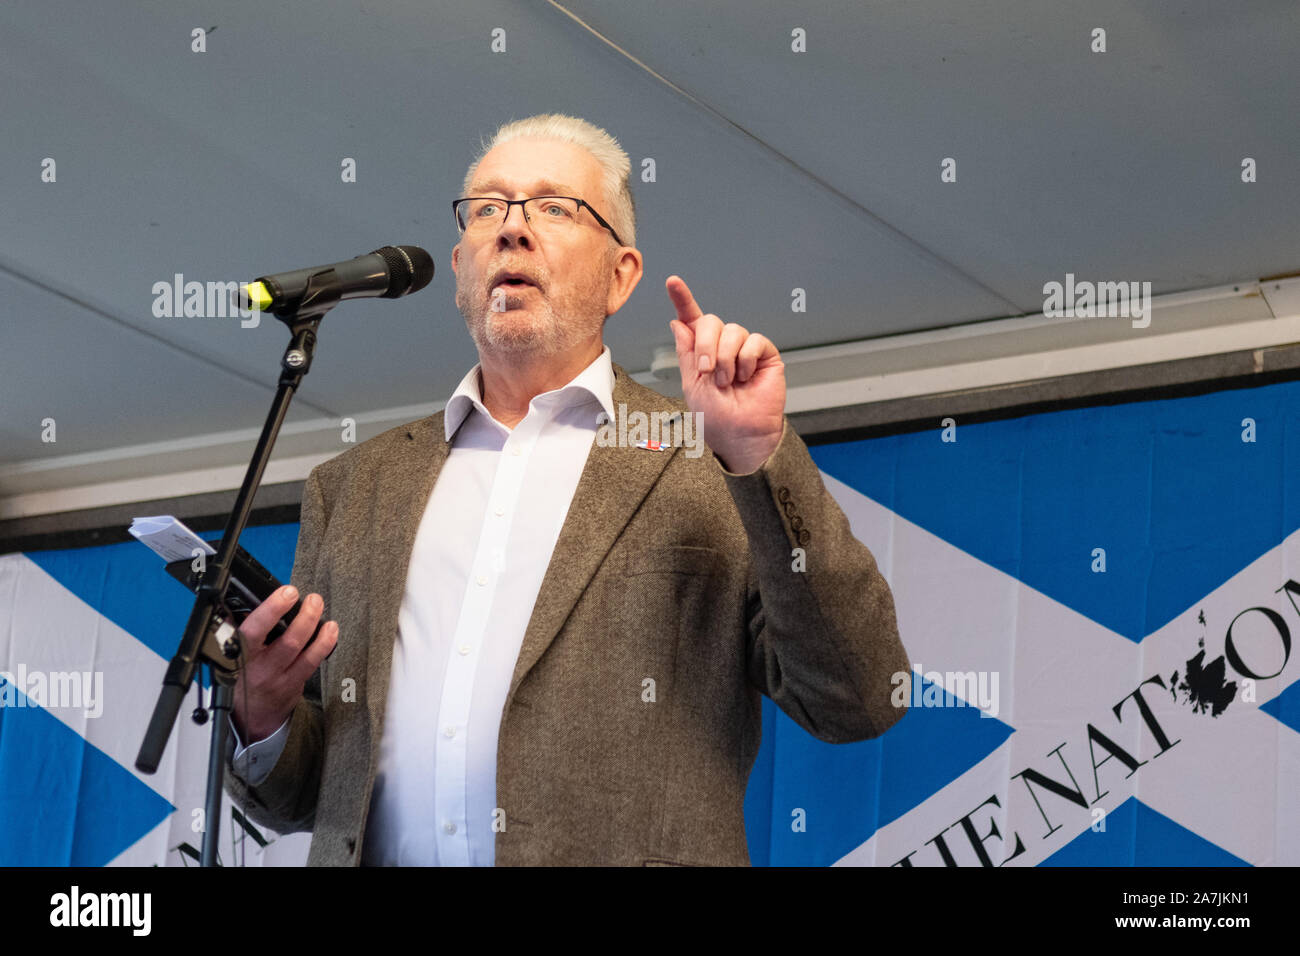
x=513, y=281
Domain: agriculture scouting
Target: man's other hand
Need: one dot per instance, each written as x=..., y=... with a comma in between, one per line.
x=733, y=377
x=272, y=679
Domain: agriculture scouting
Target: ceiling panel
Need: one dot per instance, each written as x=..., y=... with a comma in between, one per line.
x=774, y=171
x=1122, y=164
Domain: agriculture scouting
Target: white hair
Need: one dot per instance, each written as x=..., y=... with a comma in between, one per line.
x=616, y=169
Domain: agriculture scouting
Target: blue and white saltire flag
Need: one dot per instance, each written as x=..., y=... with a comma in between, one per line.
x=85, y=637
x=1113, y=592
x=1098, y=604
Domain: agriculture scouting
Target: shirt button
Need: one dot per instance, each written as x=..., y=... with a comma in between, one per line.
x=515, y=451
x=500, y=512
x=449, y=827
x=482, y=579
x=450, y=732
x=464, y=649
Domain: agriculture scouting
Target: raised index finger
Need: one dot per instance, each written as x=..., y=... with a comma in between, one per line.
x=688, y=309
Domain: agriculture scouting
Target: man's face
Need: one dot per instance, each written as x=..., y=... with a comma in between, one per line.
x=569, y=274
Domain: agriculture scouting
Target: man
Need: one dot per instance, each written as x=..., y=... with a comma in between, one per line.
x=551, y=636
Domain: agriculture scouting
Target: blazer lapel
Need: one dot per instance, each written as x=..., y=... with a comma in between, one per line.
x=613, y=484
x=403, y=489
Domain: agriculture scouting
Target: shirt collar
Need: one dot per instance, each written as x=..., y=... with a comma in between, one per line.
x=594, y=381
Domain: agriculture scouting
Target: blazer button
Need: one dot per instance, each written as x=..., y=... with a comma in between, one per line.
x=796, y=523
x=352, y=846
x=790, y=509
x=805, y=536
x=783, y=494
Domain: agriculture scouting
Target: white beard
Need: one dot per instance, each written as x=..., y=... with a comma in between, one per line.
x=535, y=331
x=538, y=330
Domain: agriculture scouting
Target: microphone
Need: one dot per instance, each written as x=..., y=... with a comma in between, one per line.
x=389, y=273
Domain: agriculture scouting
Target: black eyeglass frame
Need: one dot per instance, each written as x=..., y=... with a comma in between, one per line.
x=582, y=203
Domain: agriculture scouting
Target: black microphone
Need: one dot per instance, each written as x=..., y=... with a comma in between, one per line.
x=389, y=273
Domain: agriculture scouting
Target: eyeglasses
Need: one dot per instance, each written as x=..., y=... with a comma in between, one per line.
x=478, y=215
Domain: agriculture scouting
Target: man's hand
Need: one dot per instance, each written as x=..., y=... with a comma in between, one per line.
x=271, y=681
x=734, y=378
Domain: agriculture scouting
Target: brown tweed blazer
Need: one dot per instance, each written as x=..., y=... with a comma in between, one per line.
x=666, y=569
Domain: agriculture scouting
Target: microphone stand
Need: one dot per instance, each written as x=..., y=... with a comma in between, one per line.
x=210, y=636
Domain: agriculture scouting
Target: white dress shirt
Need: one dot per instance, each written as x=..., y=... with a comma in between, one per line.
x=482, y=548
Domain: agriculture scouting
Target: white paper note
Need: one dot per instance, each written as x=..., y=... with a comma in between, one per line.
x=168, y=538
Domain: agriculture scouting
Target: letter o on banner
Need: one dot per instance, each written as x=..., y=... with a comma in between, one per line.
x=1234, y=658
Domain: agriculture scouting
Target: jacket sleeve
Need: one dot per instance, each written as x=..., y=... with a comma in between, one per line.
x=286, y=800
x=822, y=639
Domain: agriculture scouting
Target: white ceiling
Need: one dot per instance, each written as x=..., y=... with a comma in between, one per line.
x=775, y=170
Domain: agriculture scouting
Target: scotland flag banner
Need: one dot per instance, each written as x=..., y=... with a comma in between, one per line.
x=1098, y=604
x=85, y=637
